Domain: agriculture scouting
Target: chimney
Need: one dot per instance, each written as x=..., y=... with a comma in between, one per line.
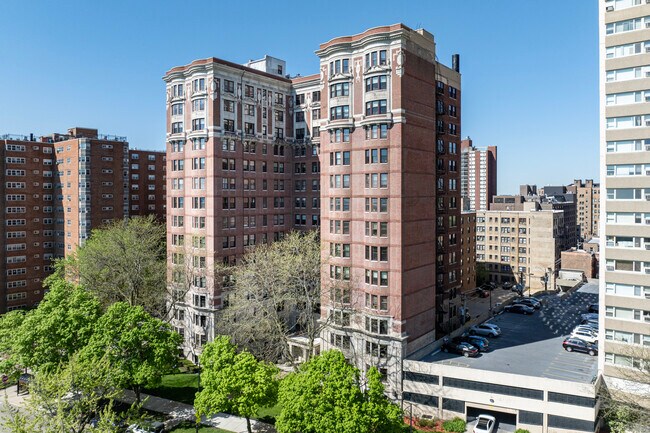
x=455, y=62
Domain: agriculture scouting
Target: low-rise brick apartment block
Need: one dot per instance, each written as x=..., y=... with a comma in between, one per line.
x=374, y=137
x=56, y=189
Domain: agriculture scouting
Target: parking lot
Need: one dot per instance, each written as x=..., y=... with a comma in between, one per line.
x=532, y=345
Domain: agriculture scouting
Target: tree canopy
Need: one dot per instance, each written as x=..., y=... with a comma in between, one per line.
x=125, y=261
x=46, y=337
x=274, y=294
x=327, y=395
x=140, y=348
x=234, y=382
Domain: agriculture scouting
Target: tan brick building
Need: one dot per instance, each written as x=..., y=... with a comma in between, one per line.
x=588, y=207
x=520, y=246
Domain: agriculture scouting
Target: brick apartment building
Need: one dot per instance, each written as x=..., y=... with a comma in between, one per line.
x=147, y=183
x=588, y=207
x=478, y=175
x=468, y=251
x=375, y=136
x=243, y=169
x=57, y=188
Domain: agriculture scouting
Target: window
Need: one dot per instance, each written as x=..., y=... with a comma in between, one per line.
x=341, y=66
x=228, y=86
x=376, y=58
x=340, y=112
x=376, y=83
x=177, y=127
x=339, y=89
x=376, y=107
x=198, y=124
x=228, y=106
x=177, y=109
x=198, y=105
x=377, y=131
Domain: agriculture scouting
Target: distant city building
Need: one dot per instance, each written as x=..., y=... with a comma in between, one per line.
x=588, y=207
x=520, y=246
x=478, y=175
x=147, y=180
x=549, y=197
x=625, y=204
x=56, y=189
x=580, y=260
x=467, y=251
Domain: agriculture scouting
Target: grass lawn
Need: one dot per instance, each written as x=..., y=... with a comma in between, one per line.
x=182, y=387
x=178, y=387
x=190, y=428
x=268, y=414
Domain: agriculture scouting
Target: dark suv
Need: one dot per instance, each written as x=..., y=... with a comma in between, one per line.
x=481, y=343
x=578, y=345
x=460, y=347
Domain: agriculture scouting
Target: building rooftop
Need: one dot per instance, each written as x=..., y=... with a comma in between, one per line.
x=532, y=345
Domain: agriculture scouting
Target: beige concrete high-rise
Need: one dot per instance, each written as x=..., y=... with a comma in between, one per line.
x=625, y=203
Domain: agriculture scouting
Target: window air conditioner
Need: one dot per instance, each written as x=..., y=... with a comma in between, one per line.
x=610, y=8
x=647, y=49
x=647, y=221
x=647, y=74
x=647, y=25
x=647, y=246
x=647, y=270
x=647, y=197
x=647, y=2
x=647, y=147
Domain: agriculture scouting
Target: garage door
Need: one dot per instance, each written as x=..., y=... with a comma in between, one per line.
x=506, y=422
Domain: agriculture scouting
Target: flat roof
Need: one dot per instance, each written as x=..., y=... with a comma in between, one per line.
x=532, y=345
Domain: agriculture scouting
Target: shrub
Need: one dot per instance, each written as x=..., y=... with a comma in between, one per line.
x=424, y=422
x=522, y=430
x=456, y=425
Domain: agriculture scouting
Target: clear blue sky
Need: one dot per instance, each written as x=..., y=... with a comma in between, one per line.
x=530, y=68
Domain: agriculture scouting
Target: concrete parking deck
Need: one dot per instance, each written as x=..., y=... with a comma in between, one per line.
x=532, y=345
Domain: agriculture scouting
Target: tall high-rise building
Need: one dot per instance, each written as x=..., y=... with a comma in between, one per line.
x=401, y=212
x=375, y=135
x=242, y=169
x=587, y=195
x=625, y=216
x=478, y=175
x=56, y=189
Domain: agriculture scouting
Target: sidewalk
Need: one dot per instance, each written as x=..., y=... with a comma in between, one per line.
x=184, y=411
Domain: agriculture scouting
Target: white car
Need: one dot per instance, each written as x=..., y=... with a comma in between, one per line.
x=485, y=329
x=484, y=424
x=585, y=335
x=586, y=329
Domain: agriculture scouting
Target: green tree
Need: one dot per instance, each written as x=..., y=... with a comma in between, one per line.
x=50, y=334
x=482, y=274
x=234, y=382
x=141, y=349
x=275, y=294
x=326, y=395
x=9, y=323
x=66, y=401
x=125, y=261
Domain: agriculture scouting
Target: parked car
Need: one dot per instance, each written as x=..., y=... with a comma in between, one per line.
x=593, y=308
x=520, y=309
x=460, y=347
x=518, y=288
x=507, y=285
x=586, y=329
x=578, y=345
x=587, y=336
x=484, y=424
x=486, y=329
x=483, y=293
x=590, y=324
x=588, y=316
x=146, y=427
x=481, y=343
x=530, y=302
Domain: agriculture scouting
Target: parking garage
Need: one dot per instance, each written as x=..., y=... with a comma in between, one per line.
x=527, y=380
